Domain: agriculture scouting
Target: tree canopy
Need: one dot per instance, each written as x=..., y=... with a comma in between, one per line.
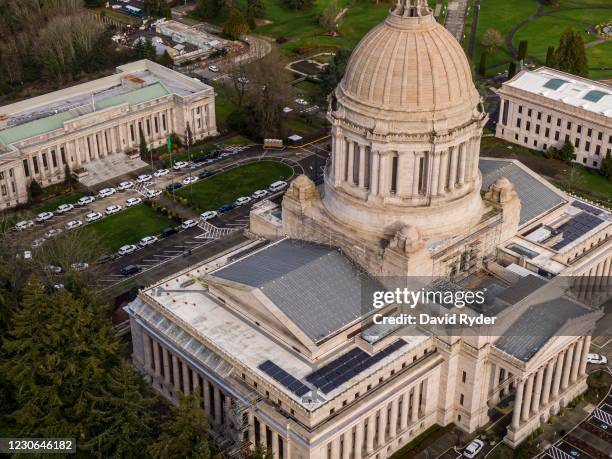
x=570, y=55
x=236, y=24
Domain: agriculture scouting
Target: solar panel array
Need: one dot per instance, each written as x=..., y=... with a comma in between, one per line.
x=578, y=226
x=586, y=207
x=282, y=377
x=339, y=371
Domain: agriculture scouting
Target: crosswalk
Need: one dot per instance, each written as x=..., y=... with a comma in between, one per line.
x=556, y=453
x=213, y=232
x=603, y=416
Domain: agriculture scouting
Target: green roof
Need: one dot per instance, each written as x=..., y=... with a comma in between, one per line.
x=134, y=97
x=34, y=128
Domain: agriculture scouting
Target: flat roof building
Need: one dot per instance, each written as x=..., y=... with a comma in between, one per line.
x=547, y=108
x=85, y=123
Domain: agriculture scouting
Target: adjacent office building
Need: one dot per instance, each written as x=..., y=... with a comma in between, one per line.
x=547, y=108
x=82, y=124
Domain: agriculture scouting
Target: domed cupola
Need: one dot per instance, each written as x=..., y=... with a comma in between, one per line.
x=406, y=127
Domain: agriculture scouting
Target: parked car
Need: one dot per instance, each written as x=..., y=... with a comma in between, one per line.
x=53, y=232
x=62, y=209
x=132, y=202
x=278, y=186
x=200, y=159
x=110, y=210
x=105, y=259
x=174, y=186
x=86, y=200
x=144, y=178
x=473, y=448
x=597, y=359
x=79, y=266
x=106, y=192
x=127, y=185
x=38, y=242
x=213, y=68
x=206, y=174
x=130, y=270
x=72, y=224
x=189, y=180
x=93, y=216
x=125, y=249
x=44, y=216
x=241, y=201
x=179, y=165
x=189, y=224
x=24, y=225
x=54, y=269
x=259, y=194
x=161, y=172
x=153, y=193
x=208, y=215
x=301, y=102
x=168, y=232
x=243, y=80
x=226, y=208
x=147, y=240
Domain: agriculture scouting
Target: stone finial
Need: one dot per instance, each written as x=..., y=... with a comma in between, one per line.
x=303, y=191
x=407, y=239
x=501, y=191
x=412, y=8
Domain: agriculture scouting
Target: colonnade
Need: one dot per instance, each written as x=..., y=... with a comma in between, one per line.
x=595, y=282
x=404, y=173
x=544, y=386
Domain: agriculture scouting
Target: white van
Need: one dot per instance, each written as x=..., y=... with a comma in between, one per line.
x=278, y=186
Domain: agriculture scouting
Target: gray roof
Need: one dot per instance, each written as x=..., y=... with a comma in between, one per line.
x=316, y=286
x=536, y=326
x=521, y=289
x=536, y=198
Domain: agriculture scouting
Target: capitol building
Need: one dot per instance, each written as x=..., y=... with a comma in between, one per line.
x=277, y=335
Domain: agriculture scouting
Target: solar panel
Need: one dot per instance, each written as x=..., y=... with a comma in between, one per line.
x=347, y=366
x=576, y=227
x=587, y=208
x=284, y=378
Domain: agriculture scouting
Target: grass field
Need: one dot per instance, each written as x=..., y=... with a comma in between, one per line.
x=52, y=205
x=127, y=227
x=225, y=188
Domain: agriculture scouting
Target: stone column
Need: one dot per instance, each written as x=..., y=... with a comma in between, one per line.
x=567, y=366
x=186, y=386
x=382, y=425
x=358, y=440
x=383, y=177
x=443, y=171
x=263, y=439
x=227, y=409
x=393, y=420
x=337, y=162
x=146, y=341
x=175, y=372
x=462, y=164
x=527, y=399
x=374, y=171
x=416, y=173
x=436, y=173
x=166, y=358
x=207, y=405
x=346, y=444
x=585, y=351
x=275, y=445
x=335, y=448
x=217, y=405
x=196, y=384
x=370, y=434
x=518, y=404
x=157, y=360
x=496, y=375
x=251, y=430
x=558, y=373
x=362, y=165
x=538, y=391
x=405, y=408
x=351, y=162
x=547, y=382
x=576, y=363
x=415, y=404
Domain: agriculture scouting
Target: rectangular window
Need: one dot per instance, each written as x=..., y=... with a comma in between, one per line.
x=520, y=109
x=548, y=119
x=547, y=132
x=598, y=150
x=569, y=124
x=559, y=122
x=148, y=127
x=579, y=129
x=422, y=174
x=577, y=143
x=518, y=122
x=539, y=116
x=156, y=123
x=394, y=164
x=535, y=143
x=53, y=159
x=537, y=128
x=35, y=163
x=567, y=138
x=164, y=121
x=26, y=168
x=594, y=163
x=63, y=155
x=529, y=112
x=4, y=192
x=528, y=127
x=463, y=377
x=557, y=135
x=132, y=132
x=505, y=114
x=599, y=135
x=589, y=132
x=526, y=139
x=461, y=398
x=587, y=146
x=44, y=160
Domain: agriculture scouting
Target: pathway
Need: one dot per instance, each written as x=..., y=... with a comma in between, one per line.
x=473, y=30
x=455, y=17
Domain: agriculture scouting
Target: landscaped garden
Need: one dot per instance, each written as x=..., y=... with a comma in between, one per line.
x=224, y=188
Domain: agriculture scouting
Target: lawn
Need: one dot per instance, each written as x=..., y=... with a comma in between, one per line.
x=307, y=88
x=225, y=188
x=52, y=205
x=127, y=227
x=299, y=126
x=199, y=150
x=223, y=103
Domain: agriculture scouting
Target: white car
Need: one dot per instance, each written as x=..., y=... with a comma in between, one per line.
x=147, y=240
x=112, y=209
x=208, y=215
x=301, y=102
x=106, y=192
x=79, y=266
x=53, y=232
x=242, y=200
x=38, y=242
x=189, y=224
x=127, y=185
x=597, y=359
x=161, y=172
x=54, y=269
x=473, y=449
x=259, y=194
x=179, y=165
x=213, y=68
x=64, y=208
x=124, y=250
x=153, y=193
x=243, y=80
x=24, y=225
x=93, y=216
x=278, y=186
x=86, y=200
x=144, y=178
x=44, y=216
x=72, y=224
x=132, y=202
x=189, y=180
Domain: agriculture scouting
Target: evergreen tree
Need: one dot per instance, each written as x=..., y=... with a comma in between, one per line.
x=570, y=55
x=482, y=67
x=143, y=144
x=206, y=9
x=236, y=25
x=606, y=167
x=166, y=60
x=566, y=154
x=256, y=8
x=522, y=51
x=551, y=61
x=67, y=175
x=261, y=452
x=333, y=73
x=511, y=69
x=184, y=434
x=34, y=189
